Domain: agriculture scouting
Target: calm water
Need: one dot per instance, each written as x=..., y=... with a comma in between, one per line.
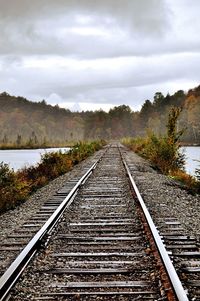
x=24, y=157
x=192, y=155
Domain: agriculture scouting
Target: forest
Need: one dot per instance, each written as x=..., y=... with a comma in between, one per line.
x=24, y=122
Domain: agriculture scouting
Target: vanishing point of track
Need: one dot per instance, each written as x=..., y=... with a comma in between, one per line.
x=97, y=242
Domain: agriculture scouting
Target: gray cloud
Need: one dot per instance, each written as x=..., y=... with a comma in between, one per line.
x=108, y=51
x=25, y=24
x=138, y=28
x=141, y=14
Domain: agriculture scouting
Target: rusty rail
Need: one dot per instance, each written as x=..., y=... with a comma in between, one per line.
x=11, y=275
x=174, y=279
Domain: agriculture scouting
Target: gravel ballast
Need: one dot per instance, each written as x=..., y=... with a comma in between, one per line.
x=157, y=188
x=15, y=218
x=154, y=187
x=98, y=209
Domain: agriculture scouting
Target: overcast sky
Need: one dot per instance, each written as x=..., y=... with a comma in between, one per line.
x=98, y=53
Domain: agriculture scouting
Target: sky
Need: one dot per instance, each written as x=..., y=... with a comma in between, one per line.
x=97, y=54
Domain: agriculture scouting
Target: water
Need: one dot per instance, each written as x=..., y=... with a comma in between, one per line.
x=25, y=157
x=19, y=158
x=192, y=155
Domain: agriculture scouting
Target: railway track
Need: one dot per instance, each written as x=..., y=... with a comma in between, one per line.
x=97, y=244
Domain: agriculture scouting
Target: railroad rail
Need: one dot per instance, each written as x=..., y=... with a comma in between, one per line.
x=14, y=271
x=98, y=243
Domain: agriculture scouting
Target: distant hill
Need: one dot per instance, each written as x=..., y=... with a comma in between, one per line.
x=37, y=123
x=24, y=121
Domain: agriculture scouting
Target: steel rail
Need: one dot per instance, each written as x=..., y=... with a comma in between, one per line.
x=14, y=271
x=174, y=279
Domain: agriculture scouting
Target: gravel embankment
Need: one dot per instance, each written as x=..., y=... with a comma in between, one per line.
x=156, y=188
x=15, y=218
x=99, y=242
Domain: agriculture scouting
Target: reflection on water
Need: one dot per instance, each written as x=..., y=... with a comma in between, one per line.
x=24, y=157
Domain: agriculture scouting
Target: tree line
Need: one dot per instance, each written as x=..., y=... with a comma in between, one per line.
x=38, y=123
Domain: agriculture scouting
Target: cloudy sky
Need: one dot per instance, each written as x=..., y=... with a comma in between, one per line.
x=98, y=53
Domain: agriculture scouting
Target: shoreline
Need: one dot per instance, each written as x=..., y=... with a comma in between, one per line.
x=69, y=144
x=189, y=145
x=37, y=147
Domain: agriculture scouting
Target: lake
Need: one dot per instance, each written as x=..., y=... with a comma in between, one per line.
x=25, y=157
x=192, y=154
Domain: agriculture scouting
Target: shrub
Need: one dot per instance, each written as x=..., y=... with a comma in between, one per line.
x=12, y=190
x=162, y=151
x=16, y=186
x=51, y=166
